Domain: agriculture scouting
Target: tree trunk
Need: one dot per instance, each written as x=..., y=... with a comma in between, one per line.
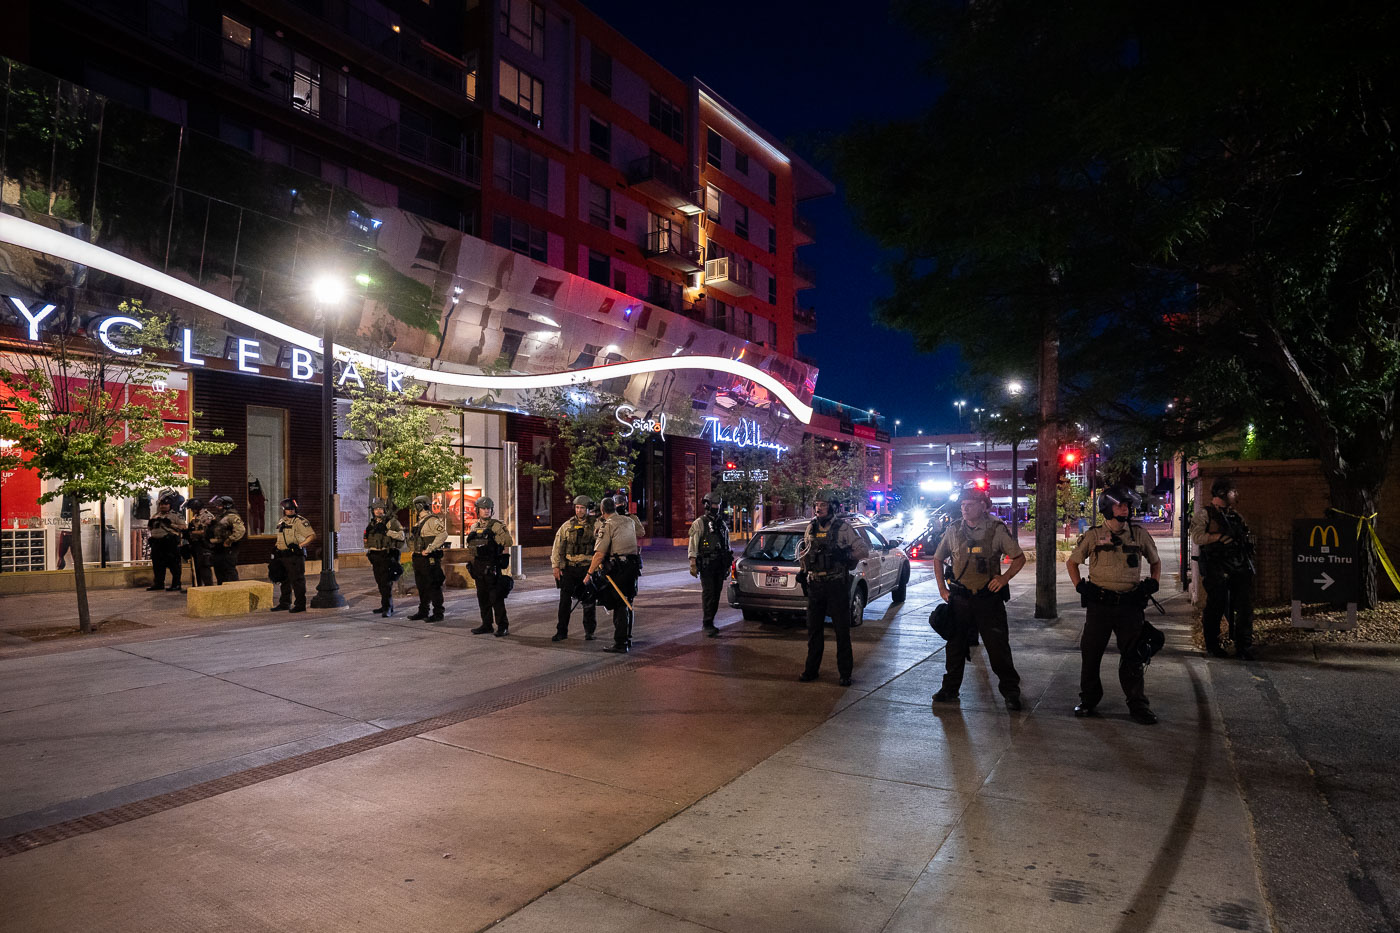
x=1047, y=455
x=1357, y=499
x=79, y=575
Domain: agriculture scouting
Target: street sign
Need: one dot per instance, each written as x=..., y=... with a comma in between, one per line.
x=1324, y=561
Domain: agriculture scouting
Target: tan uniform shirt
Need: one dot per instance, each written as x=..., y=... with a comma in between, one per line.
x=389, y=539
x=159, y=529
x=228, y=529
x=617, y=537
x=1109, y=568
x=503, y=538
x=199, y=527
x=573, y=543
x=1204, y=524
x=847, y=538
x=293, y=533
x=429, y=534
x=976, y=551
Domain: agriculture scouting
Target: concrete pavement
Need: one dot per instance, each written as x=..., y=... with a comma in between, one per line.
x=358, y=773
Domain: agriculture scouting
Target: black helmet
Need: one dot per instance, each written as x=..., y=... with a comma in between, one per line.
x=288, y=503
x=422, y=503
x=378, y=504
x=973, y=491
x=1116, y=495
x=194, y=505
x=172, y=499
x=223, y=503
x=1222, y=487
x=584, y=501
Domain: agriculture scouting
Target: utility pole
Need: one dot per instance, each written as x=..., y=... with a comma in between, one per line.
x=1047, y=455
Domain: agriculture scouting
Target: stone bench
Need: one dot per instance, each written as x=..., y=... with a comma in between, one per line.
x=235, y=598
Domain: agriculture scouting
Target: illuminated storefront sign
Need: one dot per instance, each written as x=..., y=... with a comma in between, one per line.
x=735, y=476
x=746, y=434
x=40, y=239
x=656, y=426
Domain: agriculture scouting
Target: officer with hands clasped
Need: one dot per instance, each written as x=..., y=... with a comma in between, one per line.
x=197, y=533
x=618, y=556
x=830, y=550
x=710, y=559
x=225, y=535
x=1227, y=569
x=1114, y=597
x=293, y=535
x=427, y=539
x=489, y=542
x=977, y=594
x=383, y=539
x=165, y=529
x=569, y=559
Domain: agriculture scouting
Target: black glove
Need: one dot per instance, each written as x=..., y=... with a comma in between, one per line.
x=1081, y=587
x=801, y=578
x=1149, y=586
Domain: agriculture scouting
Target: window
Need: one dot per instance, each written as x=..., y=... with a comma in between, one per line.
x=741, y=220
x=741, y=162
x=599, y=267
x=238, y=45
x=718, y=314
x=523, y=22
x=522, y=94
x=666, y=117
x=235, y=134
x=600, y=139
x=430, y=249
x=715, y=149
x=599, y=205
x=600, y=70
x=523, y=173
x=772, y=289
x=510, y=346
x=520, y=237
x=773, y=240
x=772, y=188
x=619, y=280
x=712, y=202
x=306, y=85
x=266, y=449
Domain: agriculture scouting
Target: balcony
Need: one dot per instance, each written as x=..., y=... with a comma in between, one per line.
x=663, y=182
x=804, y=320
x=729, y=276
x=803, y=230
x=805, y=275
x=674, y=251
x=293, y=88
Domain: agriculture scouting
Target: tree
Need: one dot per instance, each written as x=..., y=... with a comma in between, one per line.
x=813, y=469
x=1188, y=204
x=407, y=454
x=600, y=457
x=97, y=422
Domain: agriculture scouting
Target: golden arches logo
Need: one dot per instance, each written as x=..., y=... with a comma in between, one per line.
x=1323, y=531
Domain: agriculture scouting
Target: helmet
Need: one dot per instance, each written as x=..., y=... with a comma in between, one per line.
x=973, y=491
x=194, y=505
x=1116, y=495
x=711, y=500
x=223, y=503
x=1222, y=487
x=485, y=503
x=288, y=503
x=422, y=503
x=378, y=504
x=172, y=499
x=584, y=501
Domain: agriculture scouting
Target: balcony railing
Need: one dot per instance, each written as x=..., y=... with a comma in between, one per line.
x=806, y=276
x=660, y=180
x=293, y=88
x=669, y=248
x=729, y=275
x=805, y=230
x=804, y=320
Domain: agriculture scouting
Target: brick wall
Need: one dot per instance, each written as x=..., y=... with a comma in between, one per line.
x=683, y=508
x=524, y=429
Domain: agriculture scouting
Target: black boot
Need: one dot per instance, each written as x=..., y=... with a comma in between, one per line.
x=388, y=609
x=420, y=615
x=436, y=616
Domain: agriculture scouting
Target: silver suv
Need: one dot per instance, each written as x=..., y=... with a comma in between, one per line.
x=764, y=579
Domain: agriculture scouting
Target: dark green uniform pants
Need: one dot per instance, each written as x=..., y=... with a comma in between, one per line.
x=571, y=575
x=383, y=563
x=491, y=592
x=625, y=572
x=294, y=577
x=1229, y=594
x=1125, y=624
x=712, y=574
x=427, y=577
x=830, y=596
x=985, y=616
x=225, y=561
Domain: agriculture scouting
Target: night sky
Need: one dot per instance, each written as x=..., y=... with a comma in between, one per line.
x=805, y=71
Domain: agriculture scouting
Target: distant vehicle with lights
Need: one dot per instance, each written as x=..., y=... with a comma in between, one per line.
x=763, y=581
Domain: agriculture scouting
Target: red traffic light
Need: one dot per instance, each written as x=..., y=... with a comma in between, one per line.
x=1070, y=457
x=729, y=464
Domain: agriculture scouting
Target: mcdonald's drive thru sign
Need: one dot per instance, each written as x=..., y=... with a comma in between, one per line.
x=1324, y=561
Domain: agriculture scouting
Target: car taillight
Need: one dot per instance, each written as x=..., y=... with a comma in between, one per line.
x=734, y=571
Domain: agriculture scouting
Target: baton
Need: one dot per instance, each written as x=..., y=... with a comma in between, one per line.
x=1160, y=608
x=619, y=592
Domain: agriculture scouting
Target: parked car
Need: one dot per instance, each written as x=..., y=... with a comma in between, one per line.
x=764, y=579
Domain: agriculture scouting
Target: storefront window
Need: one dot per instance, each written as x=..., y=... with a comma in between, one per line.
x=267, y=467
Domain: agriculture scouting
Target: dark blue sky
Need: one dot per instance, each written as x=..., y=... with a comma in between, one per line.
x=805, y=72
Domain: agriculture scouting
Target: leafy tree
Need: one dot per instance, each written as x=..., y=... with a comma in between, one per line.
x=98, y=423
x=813, y=469
x=600, y=458
x=1158, y=203
x=408, y=455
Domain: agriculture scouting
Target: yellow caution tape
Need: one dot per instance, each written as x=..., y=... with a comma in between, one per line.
x=1369, y=522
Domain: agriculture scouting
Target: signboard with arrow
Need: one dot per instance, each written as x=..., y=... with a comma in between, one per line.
x=1324, y=563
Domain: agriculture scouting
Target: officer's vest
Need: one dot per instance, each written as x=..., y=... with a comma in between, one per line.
x=961, y=543
x=824, y=556
x=711, y=542
x=1232, y=556
x=578, y=542
x=488, y=549
x=228, y=529
x=420, y=540
x=377, y=535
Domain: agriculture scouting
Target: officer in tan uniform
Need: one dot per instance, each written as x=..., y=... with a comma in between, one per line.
x=427, y=539
x=1114, y=597
x=383, y=539
x=710, y=559
x=165, y=530
x=225, y=535
x=977, y=594
x=569, y=559
x=197, y=534
x=489, y=543
x=831, y=549
x=617, y=554
x=294, y=534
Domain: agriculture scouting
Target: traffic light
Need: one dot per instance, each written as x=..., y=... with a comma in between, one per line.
x=730, y=465
x=1068, y=458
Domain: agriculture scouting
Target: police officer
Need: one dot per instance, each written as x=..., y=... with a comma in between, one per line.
x=1114, y=597
x=225, y=535
x=426, y=540
x=293, y=535
x=830, y=550
x=165, y=530
x=710, y=559
x=197, y=533
x=569, y=559
x=618, y=556
x=977, y=594
x=383, y=538
x=489, y=542
x=1227, y=570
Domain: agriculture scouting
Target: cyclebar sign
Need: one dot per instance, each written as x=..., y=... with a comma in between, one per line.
x=1324, y=561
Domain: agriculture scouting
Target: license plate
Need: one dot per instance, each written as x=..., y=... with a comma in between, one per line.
x=775, y=579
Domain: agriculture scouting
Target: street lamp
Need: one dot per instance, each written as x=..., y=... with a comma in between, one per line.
x=959, y=406
x=896, y=428
x=328, y=291
x=1015, y=387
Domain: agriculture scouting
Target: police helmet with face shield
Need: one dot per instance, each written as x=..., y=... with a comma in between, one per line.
x=1117, y=494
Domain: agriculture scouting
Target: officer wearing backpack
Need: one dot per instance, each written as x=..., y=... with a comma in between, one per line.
x=710, y=559
x=225, y=536
x=489, y=542
x=569, y=559
x=830, y=550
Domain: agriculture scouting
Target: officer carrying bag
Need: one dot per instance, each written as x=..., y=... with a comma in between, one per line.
x=276, y=573
x=941, y=621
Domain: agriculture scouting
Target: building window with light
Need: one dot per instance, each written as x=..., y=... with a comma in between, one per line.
x=712, y=203
x=521, y=94
x=523, y=22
